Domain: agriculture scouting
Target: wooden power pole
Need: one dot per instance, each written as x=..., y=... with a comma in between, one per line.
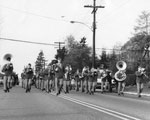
x=94, y=7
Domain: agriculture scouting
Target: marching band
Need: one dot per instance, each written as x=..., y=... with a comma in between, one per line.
x=57, y=77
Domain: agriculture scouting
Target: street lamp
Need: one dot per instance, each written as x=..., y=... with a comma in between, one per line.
x=93, y=30
x=82, y=24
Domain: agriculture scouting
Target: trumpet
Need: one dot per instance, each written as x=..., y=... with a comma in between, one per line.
x=143, y=72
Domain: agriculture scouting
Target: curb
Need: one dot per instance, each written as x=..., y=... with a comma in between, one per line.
x=133, y=93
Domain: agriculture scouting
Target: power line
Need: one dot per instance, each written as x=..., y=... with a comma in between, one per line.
x=107, y=19
x=15, y=40
x=115, y=9
x=23, y=11
x=116, y=49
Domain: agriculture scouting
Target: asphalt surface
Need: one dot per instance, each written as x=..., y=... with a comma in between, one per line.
x=38, y=105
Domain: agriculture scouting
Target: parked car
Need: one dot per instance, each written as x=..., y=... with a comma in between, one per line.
x=99, y=81
x=1, y=81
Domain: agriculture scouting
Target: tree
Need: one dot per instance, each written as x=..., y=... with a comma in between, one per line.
x=40, y=62
x=78, y=53
x=113, y=59
x=143, y=23
x=134, y=51
x=104, y=58
x=61, y=53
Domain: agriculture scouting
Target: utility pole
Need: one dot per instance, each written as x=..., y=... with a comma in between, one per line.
x=94, y=27
x=59, y=44
x=59, y=50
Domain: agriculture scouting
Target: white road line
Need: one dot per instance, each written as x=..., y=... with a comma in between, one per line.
x=101, y=109
x=117, y=116
x=112, y=111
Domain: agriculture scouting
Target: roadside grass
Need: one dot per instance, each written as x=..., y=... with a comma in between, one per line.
x=134, y=89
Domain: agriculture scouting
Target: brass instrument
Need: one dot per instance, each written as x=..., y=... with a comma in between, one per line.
x=120, y=75
x=7, y=56
x=8, y=65
x=143, y=71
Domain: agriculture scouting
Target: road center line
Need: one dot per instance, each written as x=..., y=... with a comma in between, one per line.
x=122, y=118
x=101, y=109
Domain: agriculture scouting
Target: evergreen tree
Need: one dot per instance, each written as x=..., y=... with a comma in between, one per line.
x=78, y=53
x=143, y=25
x=40, y=62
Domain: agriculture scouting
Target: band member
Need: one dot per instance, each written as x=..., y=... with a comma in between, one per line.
x=121, y=84
x=109, y=79
x=140, y=74
x=7, y=69
x=52, y=76
x=41, y=79
x=90, y=81
x=29, y=75
x=37, y=80
x=23, y=76
x=59, y=74
x=95, y=76
x=46, y=80
x=77, y=77
x=67, y=80
x=84, y=82
x=102, y=75
x=34, y=80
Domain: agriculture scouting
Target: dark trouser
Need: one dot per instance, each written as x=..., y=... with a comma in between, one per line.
x=86, y=85
x=103, y=85
x=82, y=85
x=139, y=87
x=38, y=83
x=90, y=85
x=121, y=86
x=47, y=85
x=66, y=86
x=94, y=86
x=6, y=82
x=52, y=82
x=110, y=86
x=77, y=85
x=23, y=83
x=58, y=85
x=28, y=84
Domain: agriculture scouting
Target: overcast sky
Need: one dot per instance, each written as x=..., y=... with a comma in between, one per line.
x=47, y=21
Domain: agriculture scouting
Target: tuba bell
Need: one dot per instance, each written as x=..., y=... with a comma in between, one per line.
x=120, y=75
x=121, y=65
x=7, y=56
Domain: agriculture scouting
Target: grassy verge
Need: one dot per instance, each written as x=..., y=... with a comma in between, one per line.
x=134, y=89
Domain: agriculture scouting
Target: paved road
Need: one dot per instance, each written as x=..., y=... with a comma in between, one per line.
x=37, y=105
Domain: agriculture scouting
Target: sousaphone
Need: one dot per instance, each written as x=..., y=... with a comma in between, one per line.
x=7, y=56
x=120, y=75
